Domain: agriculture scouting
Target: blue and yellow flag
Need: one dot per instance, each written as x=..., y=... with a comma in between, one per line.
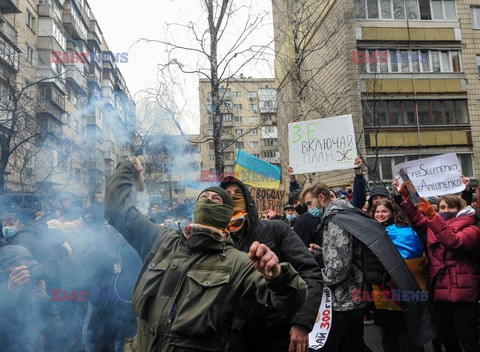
x=255, y=172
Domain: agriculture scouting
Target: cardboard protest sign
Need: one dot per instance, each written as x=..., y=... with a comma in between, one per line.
x=435, y=175
x=322, y=145
x=319, y=334
x=268, y=199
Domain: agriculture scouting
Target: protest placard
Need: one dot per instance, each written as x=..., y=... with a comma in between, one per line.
x=322, y=145
x=268, y=199
x=319, y=334
x=435, y=175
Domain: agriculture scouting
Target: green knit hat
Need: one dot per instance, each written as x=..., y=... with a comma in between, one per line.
x=225, y=196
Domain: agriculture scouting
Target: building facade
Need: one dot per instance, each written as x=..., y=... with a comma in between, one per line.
x=406, y=70
x=248, y=110
x=75, y=106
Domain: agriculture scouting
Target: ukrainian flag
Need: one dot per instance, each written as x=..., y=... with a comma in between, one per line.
x=255, y=172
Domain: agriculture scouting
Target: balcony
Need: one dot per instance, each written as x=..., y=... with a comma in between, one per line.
x=73, y=22
x=94, y=33
x=52, y=101
x=8, y=31
x=110, y=156
x=9, y=6
x=50, y=9
x=9, y=53
x=94, y=117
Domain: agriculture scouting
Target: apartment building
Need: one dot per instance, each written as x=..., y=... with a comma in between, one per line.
x=77, y=106
x=248, y=110
x=408, y=71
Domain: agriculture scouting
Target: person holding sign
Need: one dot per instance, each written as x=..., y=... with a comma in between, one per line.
x=453, y=248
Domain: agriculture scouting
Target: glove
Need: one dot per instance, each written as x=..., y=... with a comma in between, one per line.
x=427, y=209
x=404, y=192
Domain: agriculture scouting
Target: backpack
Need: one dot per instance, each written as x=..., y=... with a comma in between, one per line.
x=363, y=228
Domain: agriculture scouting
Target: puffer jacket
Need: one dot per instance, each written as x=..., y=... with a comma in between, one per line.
x=451, y=246
x=188, y=289
x=338, y=272
x=288, y=247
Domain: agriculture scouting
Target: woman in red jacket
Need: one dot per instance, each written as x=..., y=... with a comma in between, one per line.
x=453, y=246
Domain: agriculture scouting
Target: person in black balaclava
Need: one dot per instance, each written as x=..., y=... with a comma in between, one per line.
x=259, y=328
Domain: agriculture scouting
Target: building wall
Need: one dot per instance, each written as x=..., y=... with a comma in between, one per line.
x=345, y=84
x=250, y=130
x=94, y=107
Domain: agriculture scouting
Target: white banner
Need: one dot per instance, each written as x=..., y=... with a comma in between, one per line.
x=319, y=334
x=322, y=145
x=435, y=175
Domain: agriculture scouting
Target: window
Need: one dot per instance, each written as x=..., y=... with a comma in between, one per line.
x=239, y=145
x=237, y=94
x=210, y=145
x=237, y=106
x=228, y=156
x=227, y=117
x=29, y=53
x=412, y=9
x=406, y=61
x=256, y=155
x=253, y=144
x=211, y=157
x=254, y=132
x=8, y=53
x=210, y=133
x=252, y=107
x=251, y=95
x=30, y=20
x=476, y=17
x=269, y=142
x=77, y=126
x=430, y=112
x=253, y=119
x=267, y=118
x=237, y=119
x=238, y=132
x=478, y=64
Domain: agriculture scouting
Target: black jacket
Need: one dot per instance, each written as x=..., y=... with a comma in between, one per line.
x=288, y=247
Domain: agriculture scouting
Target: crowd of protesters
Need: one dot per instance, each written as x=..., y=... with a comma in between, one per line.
x=67, y=276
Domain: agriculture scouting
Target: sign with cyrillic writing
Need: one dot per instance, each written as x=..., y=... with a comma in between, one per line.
x=435, y=175
x=319, y=334
x=322, y=145
x=268, y=199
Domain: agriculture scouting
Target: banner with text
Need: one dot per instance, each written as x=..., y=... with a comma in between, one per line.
x=268, y=199
x=435, y=175
x=322, y=145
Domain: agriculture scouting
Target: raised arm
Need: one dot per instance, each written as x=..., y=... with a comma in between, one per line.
x=121, y=213
x=359, y=185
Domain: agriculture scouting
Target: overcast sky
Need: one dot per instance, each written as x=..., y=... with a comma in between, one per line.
x=124, y=22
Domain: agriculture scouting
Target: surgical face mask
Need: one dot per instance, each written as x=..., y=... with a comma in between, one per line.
x=318, y=213
x=291, y=217
x=8, y=231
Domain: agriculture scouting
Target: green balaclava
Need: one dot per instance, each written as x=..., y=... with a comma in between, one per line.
x=213, y=214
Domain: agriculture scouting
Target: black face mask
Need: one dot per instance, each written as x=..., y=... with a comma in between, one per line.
x=301, y=208
x=448, y=215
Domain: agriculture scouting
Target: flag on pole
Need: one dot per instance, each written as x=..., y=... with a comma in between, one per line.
x=256, y=172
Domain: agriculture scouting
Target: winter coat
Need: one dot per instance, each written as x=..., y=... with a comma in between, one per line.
x=288, y=247
x=188, y=289
x=338, y=272
x=388, y=313
x=451, y=247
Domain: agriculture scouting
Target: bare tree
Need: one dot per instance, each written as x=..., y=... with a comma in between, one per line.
x=222, y=50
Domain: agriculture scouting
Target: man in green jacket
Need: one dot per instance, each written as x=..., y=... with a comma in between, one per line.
x=191, y=283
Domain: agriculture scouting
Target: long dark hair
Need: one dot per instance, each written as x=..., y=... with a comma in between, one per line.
x=399, y=217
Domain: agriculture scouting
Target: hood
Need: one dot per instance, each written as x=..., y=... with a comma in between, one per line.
x=337, y=205
x=252, y=216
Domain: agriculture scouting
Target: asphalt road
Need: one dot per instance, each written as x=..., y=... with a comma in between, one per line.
x=372, y=339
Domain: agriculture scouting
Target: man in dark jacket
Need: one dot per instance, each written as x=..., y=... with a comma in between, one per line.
x=259, y=328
